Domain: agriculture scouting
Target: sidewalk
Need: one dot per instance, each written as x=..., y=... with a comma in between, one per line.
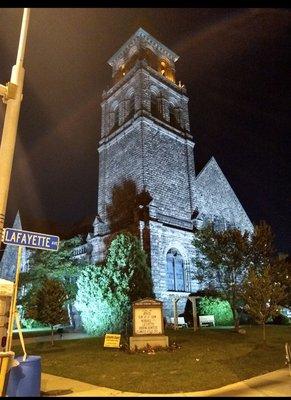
x=66, y=336
x=276, y=383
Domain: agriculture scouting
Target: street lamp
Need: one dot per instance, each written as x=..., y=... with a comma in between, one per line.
x=12, y=97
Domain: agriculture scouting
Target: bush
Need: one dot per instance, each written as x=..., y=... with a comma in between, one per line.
x=28, y=323
x=217, y=307
x=102, y=310
x=245, y=318
x=105, y=292
x=210, y=305
x=281, y=319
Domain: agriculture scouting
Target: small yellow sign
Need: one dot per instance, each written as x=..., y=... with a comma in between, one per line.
x=112, y=340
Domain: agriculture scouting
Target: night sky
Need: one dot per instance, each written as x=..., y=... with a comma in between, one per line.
x=235, y=64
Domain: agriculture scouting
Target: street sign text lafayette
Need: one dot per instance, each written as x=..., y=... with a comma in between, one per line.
x=34, y=240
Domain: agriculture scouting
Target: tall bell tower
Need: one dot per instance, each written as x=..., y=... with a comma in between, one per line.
x=146, y=147
x=147, y=181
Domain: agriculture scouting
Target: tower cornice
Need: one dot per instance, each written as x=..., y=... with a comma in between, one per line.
x=139, y=36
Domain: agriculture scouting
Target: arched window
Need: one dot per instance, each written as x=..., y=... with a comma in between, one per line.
x=174, y=113
x=175, y=271
x=156, y=106
x=114, y=118
x=130, y=106
x=163, y=68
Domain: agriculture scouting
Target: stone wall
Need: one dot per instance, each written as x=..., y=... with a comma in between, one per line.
x=153, y=150
x=167, y=170
x=164, y=238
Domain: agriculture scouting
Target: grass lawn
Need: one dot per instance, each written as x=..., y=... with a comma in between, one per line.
x=207, y=359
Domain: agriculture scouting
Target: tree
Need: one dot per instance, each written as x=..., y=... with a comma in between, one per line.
x=102, y=309
x=106, y=292
x=263, y=253
x=128, y=263
x=58, y=265
x=263, y=295
x=222, y=261
x=262, y=248
x=47, y=305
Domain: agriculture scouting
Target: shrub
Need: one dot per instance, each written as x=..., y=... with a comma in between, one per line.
x=101, y=309
x=28, y=323
x=217, y=307
x=105, y=292
x=281, y=319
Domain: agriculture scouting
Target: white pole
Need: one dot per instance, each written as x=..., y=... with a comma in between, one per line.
x=11, y=121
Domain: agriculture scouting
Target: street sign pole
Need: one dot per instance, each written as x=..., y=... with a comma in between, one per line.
x=13, y=302
x=12, y=96
x=20, y=238
x=6, y=361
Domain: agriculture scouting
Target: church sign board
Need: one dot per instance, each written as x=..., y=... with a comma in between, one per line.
x=33, y=240
x=148, y=324
x=148, y=317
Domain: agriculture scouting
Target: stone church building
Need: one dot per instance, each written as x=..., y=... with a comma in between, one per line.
x=147, y=179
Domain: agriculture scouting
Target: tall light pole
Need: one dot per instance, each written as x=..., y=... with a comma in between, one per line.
x=12, y=97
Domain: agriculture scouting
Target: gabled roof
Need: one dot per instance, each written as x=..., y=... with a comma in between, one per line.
x=211, y=181
x=211, y=163
x=139, y=35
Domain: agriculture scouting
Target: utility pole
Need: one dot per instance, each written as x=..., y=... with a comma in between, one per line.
x=12, y=97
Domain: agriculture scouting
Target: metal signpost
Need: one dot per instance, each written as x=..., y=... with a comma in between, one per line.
x=20, y=238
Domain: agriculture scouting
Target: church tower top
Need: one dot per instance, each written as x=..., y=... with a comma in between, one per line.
x=142, y=45
x=143, y=38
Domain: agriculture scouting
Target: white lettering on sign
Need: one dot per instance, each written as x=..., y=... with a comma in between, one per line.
x=13, y=239
x=30, y=239
x=148, y=321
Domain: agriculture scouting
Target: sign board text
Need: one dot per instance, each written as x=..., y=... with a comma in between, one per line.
x=34, y=240
x=112, y=340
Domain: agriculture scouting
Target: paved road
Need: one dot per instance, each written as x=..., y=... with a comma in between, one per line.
x=272, y=384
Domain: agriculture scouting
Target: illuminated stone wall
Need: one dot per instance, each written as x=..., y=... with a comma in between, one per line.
x=156, y=154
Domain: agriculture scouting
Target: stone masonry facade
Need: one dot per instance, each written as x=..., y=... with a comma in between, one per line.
x=146, y=146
